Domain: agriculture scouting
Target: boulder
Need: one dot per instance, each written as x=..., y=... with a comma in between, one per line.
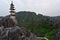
x=16, y=33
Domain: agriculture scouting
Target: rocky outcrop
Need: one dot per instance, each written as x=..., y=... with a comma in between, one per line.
x=57, y=35
x=10, y=31
x=16, y=33
x=41, y=38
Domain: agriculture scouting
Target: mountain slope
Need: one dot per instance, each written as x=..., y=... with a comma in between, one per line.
x=40, y=25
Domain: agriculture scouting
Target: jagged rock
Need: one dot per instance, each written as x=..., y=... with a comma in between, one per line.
x=57, y=35
x=42, y=38
x=10, y=31
x=16, y=33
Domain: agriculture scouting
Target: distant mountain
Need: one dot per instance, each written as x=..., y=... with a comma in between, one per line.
x=40, y=25
x=57, y=17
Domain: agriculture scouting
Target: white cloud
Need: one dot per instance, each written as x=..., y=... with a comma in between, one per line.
x=45, y=7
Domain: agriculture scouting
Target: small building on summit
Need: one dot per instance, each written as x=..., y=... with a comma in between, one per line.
x=9, y=21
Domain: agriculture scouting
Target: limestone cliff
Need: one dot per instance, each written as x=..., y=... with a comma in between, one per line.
x=16, y=33
x=10, y=31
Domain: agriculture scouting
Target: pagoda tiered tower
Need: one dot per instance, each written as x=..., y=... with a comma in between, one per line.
x=13, y=13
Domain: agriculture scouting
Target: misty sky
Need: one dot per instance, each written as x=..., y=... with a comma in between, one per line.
x=45, y=7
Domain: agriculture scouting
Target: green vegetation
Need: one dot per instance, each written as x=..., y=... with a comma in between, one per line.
x=43, y=26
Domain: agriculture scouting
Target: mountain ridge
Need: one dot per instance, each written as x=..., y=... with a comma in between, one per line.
x=40, y=25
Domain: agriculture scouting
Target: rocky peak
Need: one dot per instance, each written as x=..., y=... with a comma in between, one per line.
x=9, y=31
x=16, y=33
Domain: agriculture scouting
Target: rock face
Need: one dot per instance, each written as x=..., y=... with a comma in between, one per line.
x=16, y=33
x=7, y=22
x=57, y=35
x=10, y=31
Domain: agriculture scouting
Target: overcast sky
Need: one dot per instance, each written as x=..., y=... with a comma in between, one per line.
x=45, y=7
